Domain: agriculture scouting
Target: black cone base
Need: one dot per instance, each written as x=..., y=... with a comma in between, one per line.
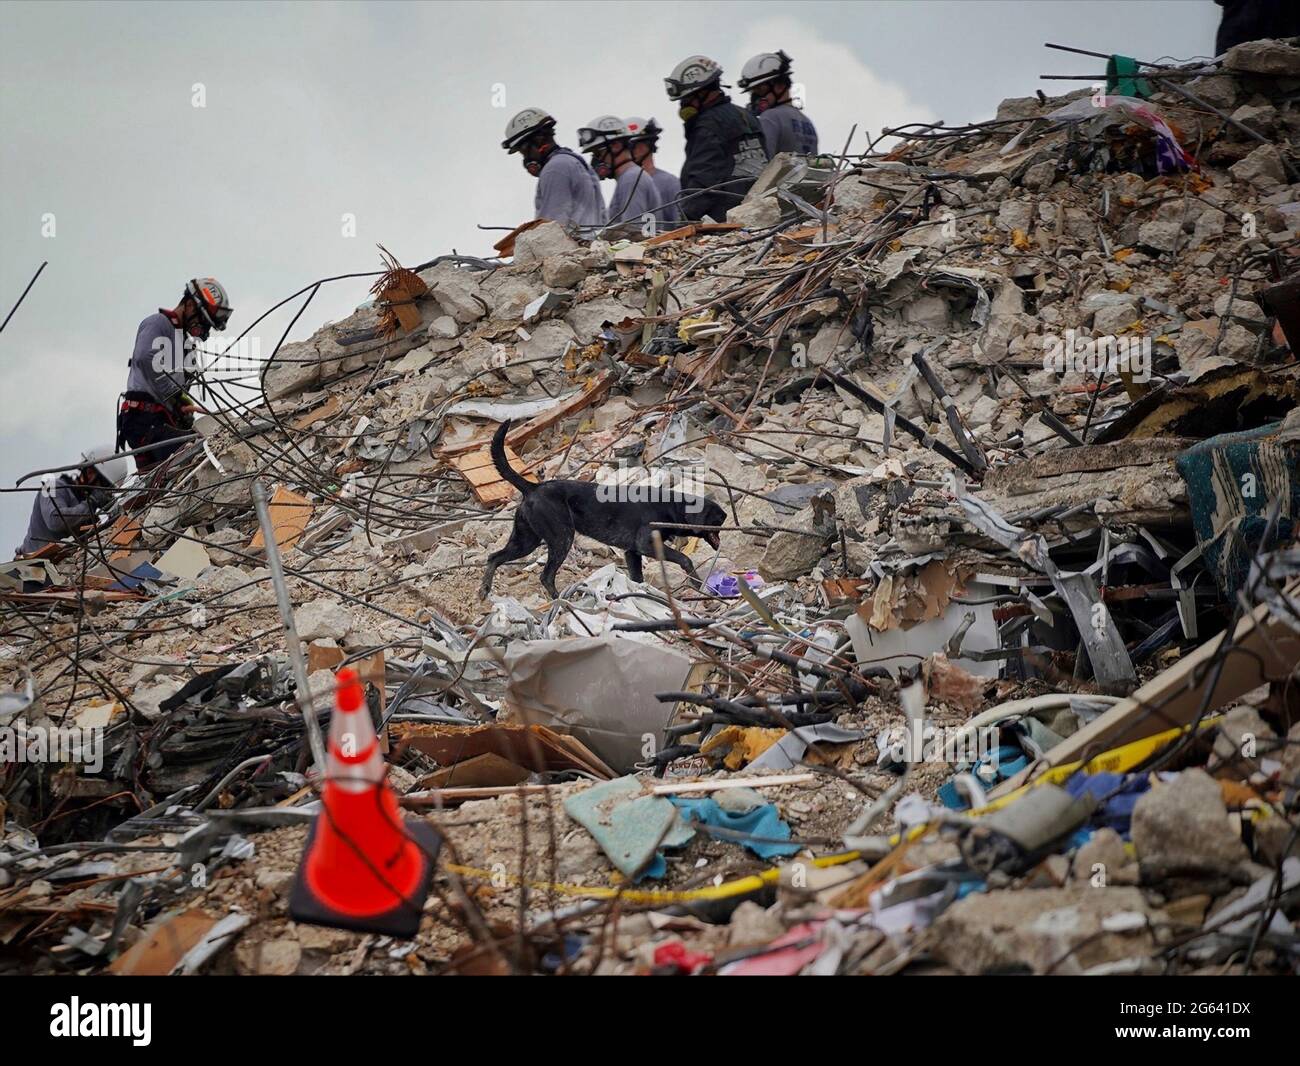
x=402, y=921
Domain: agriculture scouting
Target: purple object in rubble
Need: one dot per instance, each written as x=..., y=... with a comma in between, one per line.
x=721, y=583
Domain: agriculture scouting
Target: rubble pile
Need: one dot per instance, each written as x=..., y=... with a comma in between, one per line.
x=990, y=671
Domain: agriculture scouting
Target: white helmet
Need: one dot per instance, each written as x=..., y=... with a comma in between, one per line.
x=600, y=131
x=524, y=125
x=643, y=130
x=691, y=75
x=764, y=67
x=210, y=296
x=107, y=463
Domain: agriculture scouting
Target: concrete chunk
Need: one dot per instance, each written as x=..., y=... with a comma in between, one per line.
x=1186, y=821
x=541, y=242
x=322, y=618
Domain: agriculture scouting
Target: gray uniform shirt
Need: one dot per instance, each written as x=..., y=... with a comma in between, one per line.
x=787, y=129
x=568, y=191
x=635, y=197
x=670, y=193
x=159, y=360
x=57, y=514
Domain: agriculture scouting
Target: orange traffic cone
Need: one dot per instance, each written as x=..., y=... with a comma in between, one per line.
x=364, y=867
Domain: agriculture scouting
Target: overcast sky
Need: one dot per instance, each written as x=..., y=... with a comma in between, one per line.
x=394, y=113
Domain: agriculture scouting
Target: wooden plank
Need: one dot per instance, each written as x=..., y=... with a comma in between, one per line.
x=693, y=229
x=596, y=388
x=437, y=797
x=290, y=514
x=679, y=234
x=488, y=770
x=161, y=949
x=124, y=531
x=122, y=534
x=54, y=550
x=787, y=243
x=328, y=409
x=533, y=747
x=70, y=598
x=487, y=485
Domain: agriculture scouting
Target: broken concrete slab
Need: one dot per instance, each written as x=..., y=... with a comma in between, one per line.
x=1050, y=930
x=1184, y=822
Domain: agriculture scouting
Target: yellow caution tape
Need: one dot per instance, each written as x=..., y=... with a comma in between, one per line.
x=1116, y=761
x=740, y=887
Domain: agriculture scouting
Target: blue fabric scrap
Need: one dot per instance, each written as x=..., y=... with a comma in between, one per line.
x=1117, y=810
x=764, y=822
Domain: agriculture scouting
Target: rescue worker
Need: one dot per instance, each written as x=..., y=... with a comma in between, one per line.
x=635, y=199
x=567, y=190
x=1252, y=20
x=766, y=78
x=645, y=141
x=71, y=502
x=724, y=143
x=155, y=407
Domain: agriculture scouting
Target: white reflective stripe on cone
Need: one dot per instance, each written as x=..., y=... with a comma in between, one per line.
x=357, y=775
x=352, y=734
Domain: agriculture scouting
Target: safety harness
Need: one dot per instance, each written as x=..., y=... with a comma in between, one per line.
x=134, y=400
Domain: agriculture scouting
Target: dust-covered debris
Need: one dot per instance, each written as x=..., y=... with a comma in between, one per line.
x=1002, y=423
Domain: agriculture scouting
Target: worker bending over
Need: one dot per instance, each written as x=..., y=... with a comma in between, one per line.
x=72, y=501
x=156, y=407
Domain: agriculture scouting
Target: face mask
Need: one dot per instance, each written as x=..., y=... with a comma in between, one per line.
x=688, y=112
x=532, y=159
x=760, y=102
x=198, y=328
x=603, y=168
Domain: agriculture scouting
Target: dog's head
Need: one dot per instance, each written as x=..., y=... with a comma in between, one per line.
x=711, y=518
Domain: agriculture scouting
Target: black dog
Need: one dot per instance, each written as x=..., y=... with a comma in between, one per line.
x=554, y=511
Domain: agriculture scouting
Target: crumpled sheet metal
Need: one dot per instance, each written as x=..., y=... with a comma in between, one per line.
x=1109, y=657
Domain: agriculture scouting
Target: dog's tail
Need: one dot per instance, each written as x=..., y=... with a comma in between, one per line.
x=502, y=464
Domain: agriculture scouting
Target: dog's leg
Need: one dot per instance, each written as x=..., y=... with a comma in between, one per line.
x=557, y=550
x=557, y=531
x=633, y=560
x=523, y=541
x=646, y=546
